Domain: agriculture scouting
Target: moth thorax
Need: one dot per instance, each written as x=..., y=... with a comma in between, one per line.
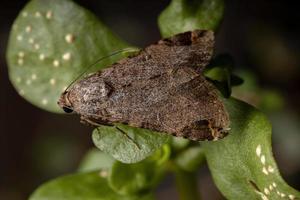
x=96, y=91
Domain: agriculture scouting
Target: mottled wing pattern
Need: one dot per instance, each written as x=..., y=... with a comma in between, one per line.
x=162, y=88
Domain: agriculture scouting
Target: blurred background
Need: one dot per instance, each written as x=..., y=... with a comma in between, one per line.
x=263, y=38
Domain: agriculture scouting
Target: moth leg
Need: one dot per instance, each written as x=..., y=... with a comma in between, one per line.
x=84, y=121
x=217, y=133
x=87, y=121
x=213, y=132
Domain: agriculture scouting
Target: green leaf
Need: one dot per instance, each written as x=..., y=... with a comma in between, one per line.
x=272, y=100
x=242, y=164
x=190, y=159
x=139, y=177
x=128, y=144
x=85, y=186
x=219, y=72
x=186, y=184
x=95, y=160
x=51, y=43
x=178, y=143
x=220, y=77
x=187, y=15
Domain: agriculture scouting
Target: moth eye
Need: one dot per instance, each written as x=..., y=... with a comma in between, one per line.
x=67, y=110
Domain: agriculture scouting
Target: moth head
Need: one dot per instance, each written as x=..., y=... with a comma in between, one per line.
x=65, y=103
x=86, y=96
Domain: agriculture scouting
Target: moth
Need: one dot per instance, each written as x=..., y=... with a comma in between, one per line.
x=161, y=88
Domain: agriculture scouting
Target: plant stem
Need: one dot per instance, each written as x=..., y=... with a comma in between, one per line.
x=186, y=183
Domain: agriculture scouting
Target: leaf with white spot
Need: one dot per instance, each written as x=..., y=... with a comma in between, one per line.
x=51, y=43
x=242, y=164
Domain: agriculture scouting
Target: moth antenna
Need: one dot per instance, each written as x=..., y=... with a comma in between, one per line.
x=129, y=49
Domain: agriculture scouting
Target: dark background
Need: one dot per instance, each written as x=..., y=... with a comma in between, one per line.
x=262, y=36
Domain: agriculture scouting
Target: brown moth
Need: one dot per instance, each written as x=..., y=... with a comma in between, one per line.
x=162, y=88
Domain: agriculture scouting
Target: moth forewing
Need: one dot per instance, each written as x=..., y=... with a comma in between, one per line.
x=162, y=88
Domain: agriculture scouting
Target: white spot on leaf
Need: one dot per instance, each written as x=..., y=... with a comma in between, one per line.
x=266, y=191
x=292, y=197
x=37, y=14
x=21, y=54
x=69, y=38
x=67, y=56
x=264, y=170
x=56, y=63
x=28, y=29
x=28, y=82
x=271, y=187
x=49, y=14
x=44, y=101
x=42, y=56
x=270, y=169
x=33, y=76
x=274, y=184
x=20, y=61
x=258, y=150
x=52, y=81
x=19, y=37
x=37, y=46
x=264, y=197
x=103, y=173
x=21, y=92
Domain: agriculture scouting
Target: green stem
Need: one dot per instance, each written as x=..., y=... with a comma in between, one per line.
x=186, y=183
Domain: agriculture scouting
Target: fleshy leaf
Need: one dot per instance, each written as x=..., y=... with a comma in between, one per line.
x=139, y=177
x=178, y=143
x=242, y=164
x=187, y=15
x=128, y=144
x=95, y=160
x=87, y=186
x=51, y=43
